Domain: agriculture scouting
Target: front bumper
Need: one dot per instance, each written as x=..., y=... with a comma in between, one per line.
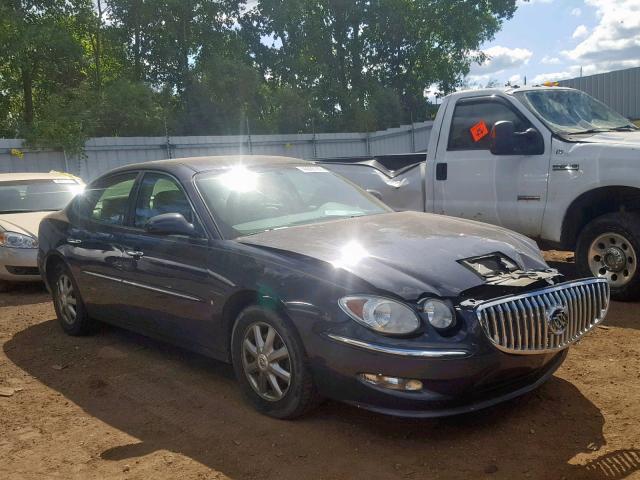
x=453, y=382
x=19, y=264
x=459, y=374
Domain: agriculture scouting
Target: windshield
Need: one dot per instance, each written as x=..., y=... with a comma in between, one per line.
x=37, y=195
x=247, y=201
x=572, y=111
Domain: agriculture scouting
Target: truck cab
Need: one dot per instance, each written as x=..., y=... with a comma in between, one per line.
x=552, y=163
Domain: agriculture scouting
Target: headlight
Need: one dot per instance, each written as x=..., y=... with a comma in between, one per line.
x=17, y=240
x=381, y=314
x=439, y=313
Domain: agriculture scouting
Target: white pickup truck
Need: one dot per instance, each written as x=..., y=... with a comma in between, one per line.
x=552, y=163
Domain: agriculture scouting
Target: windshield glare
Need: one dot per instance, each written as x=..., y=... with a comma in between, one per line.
x=572, y=111
x=245, y=201
x=37, y=195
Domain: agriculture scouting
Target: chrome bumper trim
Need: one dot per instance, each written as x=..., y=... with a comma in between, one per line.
x=402, y=352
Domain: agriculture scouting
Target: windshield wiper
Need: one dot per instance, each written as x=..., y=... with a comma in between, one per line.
x=19, y=210
x=626, y=128
x=591, y=130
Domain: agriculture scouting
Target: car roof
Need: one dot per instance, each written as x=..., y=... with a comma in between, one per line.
x=17, y=177
x=482, y=92
x=203, y=164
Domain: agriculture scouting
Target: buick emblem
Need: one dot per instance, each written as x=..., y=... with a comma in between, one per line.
x=557, y=319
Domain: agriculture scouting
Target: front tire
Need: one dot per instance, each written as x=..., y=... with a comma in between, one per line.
x=68, y=304
x=608, y=247
x=270, y=365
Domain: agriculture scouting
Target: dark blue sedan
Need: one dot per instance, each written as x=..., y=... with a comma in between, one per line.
x=313, y=288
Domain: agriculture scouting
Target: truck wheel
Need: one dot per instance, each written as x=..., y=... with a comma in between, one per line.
x=270, y=365
x=608, y=247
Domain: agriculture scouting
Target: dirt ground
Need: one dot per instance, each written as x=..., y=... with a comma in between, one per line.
x=117, y=405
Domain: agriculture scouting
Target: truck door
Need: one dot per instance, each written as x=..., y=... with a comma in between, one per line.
x=470, y=182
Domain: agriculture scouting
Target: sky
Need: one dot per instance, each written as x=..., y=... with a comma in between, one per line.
x=550, y=40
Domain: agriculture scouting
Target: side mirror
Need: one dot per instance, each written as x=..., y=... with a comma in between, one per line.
x=530, y=142
x=505, y=141
x=502, y=138
x=375, y=193
x=170, y=224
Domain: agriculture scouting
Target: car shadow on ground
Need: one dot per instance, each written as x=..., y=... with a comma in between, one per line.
x=169, y=399
x=24, y=294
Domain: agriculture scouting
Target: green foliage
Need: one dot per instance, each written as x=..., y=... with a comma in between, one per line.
x=73, y=69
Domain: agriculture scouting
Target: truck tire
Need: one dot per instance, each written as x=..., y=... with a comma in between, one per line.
x=608, y=247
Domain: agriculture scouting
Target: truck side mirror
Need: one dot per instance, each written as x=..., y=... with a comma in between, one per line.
x=530, y=142
x=506, y=141
x=502, y=138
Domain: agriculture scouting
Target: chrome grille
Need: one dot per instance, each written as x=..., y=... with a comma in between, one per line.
x=531, y=323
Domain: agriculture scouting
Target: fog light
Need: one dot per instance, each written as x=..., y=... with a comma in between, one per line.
x=392, y=383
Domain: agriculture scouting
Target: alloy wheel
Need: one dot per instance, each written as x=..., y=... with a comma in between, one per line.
x=266, y=361
x=67, y=300
x=612, y=256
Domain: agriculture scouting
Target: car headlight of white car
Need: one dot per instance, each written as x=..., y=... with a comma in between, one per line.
x=17, y=240
x=380, y=314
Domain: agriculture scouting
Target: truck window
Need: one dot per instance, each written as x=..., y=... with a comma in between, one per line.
x=470, y=114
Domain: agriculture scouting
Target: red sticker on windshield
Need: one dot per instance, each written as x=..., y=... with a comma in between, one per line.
x=479, y=131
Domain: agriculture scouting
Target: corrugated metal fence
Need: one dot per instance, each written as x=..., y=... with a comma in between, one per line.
x=619, y=89
x=103, y=154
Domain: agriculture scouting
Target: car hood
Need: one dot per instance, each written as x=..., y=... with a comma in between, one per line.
x=406, y=253
x=628, y=139
x=25, y=223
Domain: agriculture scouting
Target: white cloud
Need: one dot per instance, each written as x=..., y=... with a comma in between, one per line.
x=500, y=59
x=554, y=76
x=547, y=60
x=576, y=12
x=580, y=32
x=615, y=42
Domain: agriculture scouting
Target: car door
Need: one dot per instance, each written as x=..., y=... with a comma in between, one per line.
x=170, y=283
x=94, y=245
x=472, y=183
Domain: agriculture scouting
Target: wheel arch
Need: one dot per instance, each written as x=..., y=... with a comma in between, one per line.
x=240, y=300
x=594, y=203
x=49, y=263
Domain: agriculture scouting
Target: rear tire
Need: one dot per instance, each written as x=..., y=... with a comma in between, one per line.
x=608, y=247
x=270, y=365
x=68, y=304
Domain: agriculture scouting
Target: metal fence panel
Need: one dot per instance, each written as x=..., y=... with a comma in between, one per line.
x=618, y=89
x=104, y=154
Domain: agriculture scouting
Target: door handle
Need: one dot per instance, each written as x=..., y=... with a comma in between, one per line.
x=135, y=253
x=74, y=241
x=441, y=171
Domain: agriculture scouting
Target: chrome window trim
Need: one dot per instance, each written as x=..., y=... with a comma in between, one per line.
x=403, y=352
x=144, y=286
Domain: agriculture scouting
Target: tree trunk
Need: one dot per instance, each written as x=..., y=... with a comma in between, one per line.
x=97, y=48
x=27, y=91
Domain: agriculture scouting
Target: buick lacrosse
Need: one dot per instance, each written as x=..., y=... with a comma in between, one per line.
x=312, y=288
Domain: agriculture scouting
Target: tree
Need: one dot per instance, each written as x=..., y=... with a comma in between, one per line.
x=38, y=49
x=348, y=52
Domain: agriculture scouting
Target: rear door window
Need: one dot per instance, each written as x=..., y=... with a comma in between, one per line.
x=109, y=201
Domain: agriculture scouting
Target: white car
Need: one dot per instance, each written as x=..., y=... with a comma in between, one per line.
x=25, y=199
